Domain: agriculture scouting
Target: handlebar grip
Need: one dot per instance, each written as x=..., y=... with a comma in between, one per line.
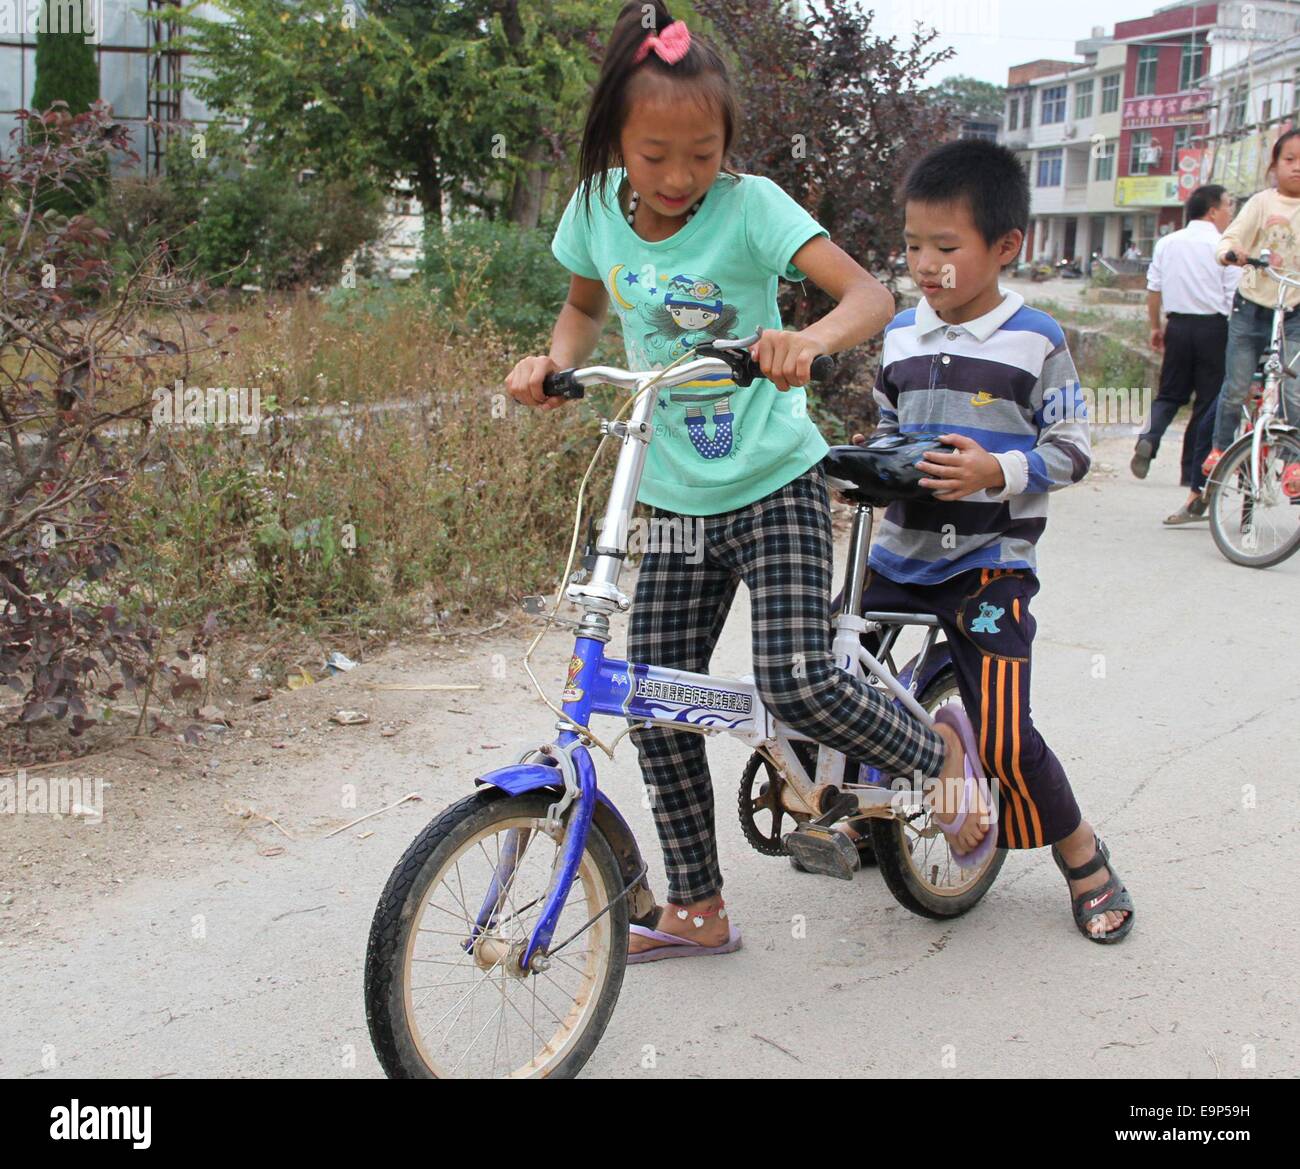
x=823, y=368
x=1255, y=263
x=562, y=384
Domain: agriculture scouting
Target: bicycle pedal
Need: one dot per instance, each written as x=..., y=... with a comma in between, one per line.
x=823, y=850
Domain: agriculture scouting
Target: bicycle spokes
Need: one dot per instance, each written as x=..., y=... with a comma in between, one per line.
x=472, y=1009
x=1254, y=519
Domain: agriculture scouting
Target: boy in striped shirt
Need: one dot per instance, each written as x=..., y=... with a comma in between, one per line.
x=977, y=368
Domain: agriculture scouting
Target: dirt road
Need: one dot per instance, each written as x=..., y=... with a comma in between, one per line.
x=176, y=938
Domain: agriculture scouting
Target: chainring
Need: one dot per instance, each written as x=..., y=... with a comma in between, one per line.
x=761, y=786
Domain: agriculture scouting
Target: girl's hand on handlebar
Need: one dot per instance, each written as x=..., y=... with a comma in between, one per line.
x=525, y=383
x=786, y=358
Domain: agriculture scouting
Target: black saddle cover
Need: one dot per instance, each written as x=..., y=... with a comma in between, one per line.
x=883, y=471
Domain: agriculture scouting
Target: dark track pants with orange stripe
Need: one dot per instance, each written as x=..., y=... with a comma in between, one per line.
x=985, y=616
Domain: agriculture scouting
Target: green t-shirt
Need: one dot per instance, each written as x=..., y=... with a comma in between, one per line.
x=713, y=449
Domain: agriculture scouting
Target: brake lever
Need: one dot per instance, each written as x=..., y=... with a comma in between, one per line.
x=735, y=352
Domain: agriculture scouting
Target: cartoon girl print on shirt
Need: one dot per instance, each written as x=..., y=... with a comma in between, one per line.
x=1279, y=238
x=692, y=312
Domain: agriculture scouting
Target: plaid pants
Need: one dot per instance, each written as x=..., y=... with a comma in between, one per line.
x=781, y=546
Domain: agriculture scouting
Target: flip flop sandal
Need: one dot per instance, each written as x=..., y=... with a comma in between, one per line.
x=679, y=947
x=1111, y=896
x=956, y=718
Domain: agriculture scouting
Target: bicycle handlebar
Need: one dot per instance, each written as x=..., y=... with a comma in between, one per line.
x=726, y=356
x=1264, y=262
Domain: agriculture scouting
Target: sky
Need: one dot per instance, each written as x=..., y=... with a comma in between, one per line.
x=992, y=35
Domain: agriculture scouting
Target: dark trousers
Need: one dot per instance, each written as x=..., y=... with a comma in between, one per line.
x=782, y=547
x=1193, y=365
x=985, y=616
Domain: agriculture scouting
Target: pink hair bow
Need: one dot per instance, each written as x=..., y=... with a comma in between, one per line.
x=670, y=48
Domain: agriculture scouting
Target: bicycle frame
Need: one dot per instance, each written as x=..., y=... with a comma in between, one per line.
x=1276, y=369
x=649, y=695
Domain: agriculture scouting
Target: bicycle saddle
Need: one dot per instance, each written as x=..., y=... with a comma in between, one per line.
x=883, y=471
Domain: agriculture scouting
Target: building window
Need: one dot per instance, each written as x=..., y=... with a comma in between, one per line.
x=1053, y=105
x=988, y=131
x=1139, y=158
x=1295, y=93
x=1110, y=93
x=1049, y=168
x=1182, y=141
x=1145, y=81
x=1083, y=100
x=1266, y=111
x=1192, y=67
x=1013, y=114
x=1104, y=171
x=1237, y=107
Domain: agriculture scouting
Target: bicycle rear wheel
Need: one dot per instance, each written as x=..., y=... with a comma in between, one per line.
x=1253, y=521
x=913, y=853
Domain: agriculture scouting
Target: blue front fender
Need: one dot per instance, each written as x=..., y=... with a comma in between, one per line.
x=523, y=777
x=519, y=778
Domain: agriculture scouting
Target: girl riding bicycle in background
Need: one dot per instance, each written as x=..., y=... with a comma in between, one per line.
x=1270, y=219
x=687, y=249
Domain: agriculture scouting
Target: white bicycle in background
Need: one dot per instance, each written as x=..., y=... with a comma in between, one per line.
x=1254, y=489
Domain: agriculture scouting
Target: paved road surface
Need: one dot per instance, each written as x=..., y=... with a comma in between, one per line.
x=1166, y=679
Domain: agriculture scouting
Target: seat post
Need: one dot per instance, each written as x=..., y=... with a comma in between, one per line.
x=855, y=571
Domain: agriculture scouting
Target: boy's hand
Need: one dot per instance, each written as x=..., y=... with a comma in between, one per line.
x=970, y=468
x=786, y=358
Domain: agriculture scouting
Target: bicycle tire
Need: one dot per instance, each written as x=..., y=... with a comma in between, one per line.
x=397, y=914
x=1229, y=465
x=893, y=849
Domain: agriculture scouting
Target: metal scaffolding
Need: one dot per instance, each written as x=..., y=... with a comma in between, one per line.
x=164, y=92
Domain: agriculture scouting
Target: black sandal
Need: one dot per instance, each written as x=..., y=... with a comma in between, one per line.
x=1110, y=897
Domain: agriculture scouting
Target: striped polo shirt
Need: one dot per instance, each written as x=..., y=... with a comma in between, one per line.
x=1005, y=379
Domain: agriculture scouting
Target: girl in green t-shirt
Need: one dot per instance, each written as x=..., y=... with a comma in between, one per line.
x=686, y=250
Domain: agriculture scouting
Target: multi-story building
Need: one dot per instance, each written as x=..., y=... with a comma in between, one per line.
x=1102, y=139
x=1252, y=102
x=1169, y=102
x=1069, y=149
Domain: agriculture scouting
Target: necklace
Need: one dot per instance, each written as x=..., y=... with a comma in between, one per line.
x=635, y=201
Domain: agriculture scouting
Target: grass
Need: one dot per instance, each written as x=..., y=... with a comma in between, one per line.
x=454, y=503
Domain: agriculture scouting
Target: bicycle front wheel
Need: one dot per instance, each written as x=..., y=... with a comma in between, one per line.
x=1254, y=522
x=445, y=995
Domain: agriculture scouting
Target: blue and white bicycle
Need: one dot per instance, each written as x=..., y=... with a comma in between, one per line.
x=499, y=943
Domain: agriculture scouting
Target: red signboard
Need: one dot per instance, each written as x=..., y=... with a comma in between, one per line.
x=1191, y=172
x=1174, y=109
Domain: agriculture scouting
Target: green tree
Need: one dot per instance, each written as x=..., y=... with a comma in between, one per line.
x=968, y=97
x=66, y=71
x=475, y=99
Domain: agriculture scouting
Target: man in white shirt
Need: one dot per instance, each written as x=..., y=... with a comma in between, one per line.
x=1187, y=282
